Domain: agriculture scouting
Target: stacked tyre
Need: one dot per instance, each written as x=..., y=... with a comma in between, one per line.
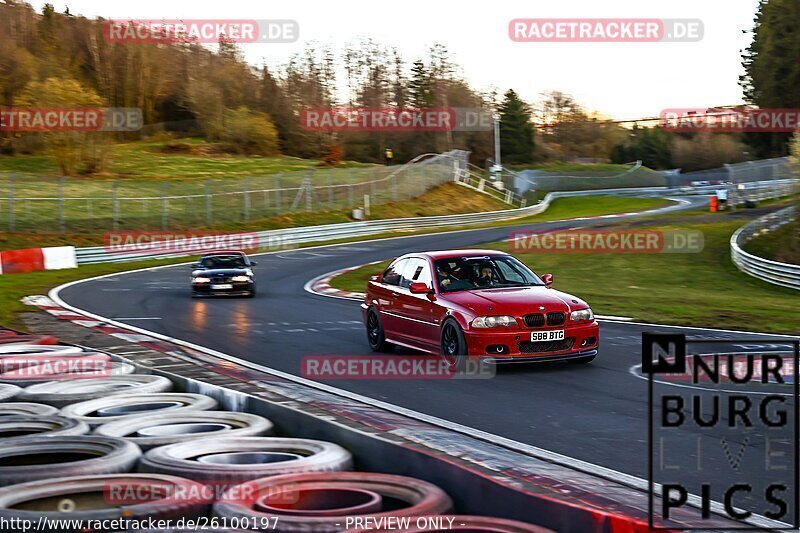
x=124, y=447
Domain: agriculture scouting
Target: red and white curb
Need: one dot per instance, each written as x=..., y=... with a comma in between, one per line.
x=322, y=284
x=46, y=304
x=33, y=259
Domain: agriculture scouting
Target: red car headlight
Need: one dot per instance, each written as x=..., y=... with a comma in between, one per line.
x=583, y=315
x=494, y=321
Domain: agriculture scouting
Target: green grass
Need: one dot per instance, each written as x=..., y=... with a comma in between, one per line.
x=146, y=160
x=698, y=289
x=13, y=287
x=560, y=209
x=782, y=244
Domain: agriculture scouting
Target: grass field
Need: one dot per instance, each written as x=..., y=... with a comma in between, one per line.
x=147, y=160
x=149, y=189
x=699, y=289
x=782, y=244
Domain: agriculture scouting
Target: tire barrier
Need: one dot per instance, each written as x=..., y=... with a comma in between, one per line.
x=20, y=427
x=27, y=409
x=321, y=501
x=33, y=459
x=103, y=497
x=458, y=523
x=227, y=461
x=134, y=406
x=159, y=429
x=8, y=391
x=64, y=371
x=63, y=393
x=9, y=363
x=28, y=349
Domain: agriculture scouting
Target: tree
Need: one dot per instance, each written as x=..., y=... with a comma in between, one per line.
x=72, y=150
x=516, y=129
x=651, y=146
x=706, y=150
x=772, y=68
x=250, y=132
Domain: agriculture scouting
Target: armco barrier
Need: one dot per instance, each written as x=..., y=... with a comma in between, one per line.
x=32, y=259
x=783, y=274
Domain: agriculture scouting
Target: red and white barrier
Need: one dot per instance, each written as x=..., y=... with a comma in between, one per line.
x=32, y=259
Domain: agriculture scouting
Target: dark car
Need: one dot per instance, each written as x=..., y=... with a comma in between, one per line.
x=223, y=274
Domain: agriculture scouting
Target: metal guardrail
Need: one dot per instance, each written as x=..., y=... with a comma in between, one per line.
x=777, y=273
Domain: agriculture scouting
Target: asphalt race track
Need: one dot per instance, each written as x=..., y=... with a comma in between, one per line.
x=596, y=413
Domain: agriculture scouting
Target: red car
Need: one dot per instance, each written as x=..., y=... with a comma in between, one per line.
x=478, y=303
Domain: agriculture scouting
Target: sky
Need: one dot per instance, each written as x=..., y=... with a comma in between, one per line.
x=619, y=80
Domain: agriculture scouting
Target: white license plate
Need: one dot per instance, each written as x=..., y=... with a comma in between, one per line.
x=222, y=286
x=553, y=335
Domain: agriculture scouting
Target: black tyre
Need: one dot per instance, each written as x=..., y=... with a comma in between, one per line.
x=160, y=429
x=63, y=393
x=27, y=409
x=319, y=502
x=375, y=336
x=231, y=461
x=21, y=427
x=72, y=500
x=38, y=458
x=131, y=406
x=8, y=391
x=454, y=344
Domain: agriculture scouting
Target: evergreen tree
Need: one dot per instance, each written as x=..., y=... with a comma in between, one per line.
x=772, y=68
x=516, y=130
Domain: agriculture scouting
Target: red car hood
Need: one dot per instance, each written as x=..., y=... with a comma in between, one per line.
x=515, y=301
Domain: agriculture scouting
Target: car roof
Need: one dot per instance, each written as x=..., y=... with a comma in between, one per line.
x=224, y=252
x=449, y=254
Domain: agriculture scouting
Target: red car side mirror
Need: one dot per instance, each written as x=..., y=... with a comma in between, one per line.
x=419, y=288
x=548, y=279
x=376, y=278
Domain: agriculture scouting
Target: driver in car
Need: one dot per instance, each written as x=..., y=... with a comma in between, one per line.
x=486, y=276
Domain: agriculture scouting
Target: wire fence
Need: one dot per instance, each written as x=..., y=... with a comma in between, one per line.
x=748, y=171
x=31, y=203
x=538, y=180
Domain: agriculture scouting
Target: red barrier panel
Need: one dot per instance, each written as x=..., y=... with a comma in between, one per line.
x=19, y=261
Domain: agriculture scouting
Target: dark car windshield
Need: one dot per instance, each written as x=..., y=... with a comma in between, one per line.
x=223, y=261
x=486, y=272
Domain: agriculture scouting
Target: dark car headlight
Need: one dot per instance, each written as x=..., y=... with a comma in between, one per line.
x=201, y=279
x=241, y=279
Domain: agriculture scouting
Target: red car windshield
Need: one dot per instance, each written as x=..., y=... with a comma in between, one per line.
x=484, y=272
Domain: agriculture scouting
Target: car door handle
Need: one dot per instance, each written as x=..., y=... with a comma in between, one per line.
x=395, y=295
